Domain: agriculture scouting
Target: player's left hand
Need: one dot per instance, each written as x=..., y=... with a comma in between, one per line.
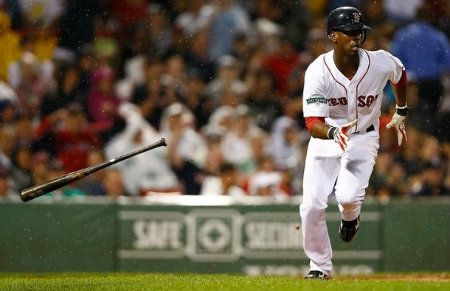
x=398, y=121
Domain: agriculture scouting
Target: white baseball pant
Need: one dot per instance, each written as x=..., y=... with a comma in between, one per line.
x=328, y=169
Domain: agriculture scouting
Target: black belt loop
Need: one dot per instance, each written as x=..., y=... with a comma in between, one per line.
x=370, y=128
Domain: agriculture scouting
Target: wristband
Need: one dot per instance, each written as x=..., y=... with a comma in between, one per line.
x=330, y=133
x=402, y=110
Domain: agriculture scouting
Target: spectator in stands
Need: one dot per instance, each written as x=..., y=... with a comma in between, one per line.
x=8, y=143
x=280, y=64
x=286, y=146
x=431, y=151
x=8, y=112
x=152, y=89
x=227, y=80
x=134, y=76
x=9, y=45
x=195, y=18
x=222, y=118
x=186, y=148
x=380, y=172
x=388, y=178
x=267, y=180
x=113, y=184
x=45, y=41
x=196, y=55
x=24, y=126
x=40, y=167
x=243, y=45
x=231, y=97
x=68, y=90
x=229, y=20
x=195, y=99
x=402, y=12
x=21, y=170
x=73, y=136
x=397, y=180
x=102, y=101
x=6, y=191
x=45, y=12
x=7, y=95
x=32, y=80
x=86, y=62
x=236, y=144
x=214, y=155
x=431, y=182
x=155, y=174
x=93, y=183
x=225, y=183
x=263, y=104
x=425, y=52
x=77, y=24
x=105, y=43
x=411, y=155
x=173, y=79
x=259, y=142
x=160, y=30
x=55, y=170
x=128, y=12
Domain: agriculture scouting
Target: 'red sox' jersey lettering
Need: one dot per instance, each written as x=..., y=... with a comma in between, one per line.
x=337, y=101
x=366, y=101
x=363, y=101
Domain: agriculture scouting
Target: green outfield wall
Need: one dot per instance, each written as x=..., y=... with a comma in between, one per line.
x=192, y=234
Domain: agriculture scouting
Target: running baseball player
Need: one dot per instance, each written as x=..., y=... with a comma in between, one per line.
x=342, y=98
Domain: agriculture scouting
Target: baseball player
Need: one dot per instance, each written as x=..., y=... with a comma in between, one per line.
x=342, y=98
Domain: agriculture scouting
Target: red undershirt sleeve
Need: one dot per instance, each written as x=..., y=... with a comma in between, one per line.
x=402, y=83
x=311, y=120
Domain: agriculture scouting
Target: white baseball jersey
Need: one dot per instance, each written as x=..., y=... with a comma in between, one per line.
x=328, y=93
x=328, y=169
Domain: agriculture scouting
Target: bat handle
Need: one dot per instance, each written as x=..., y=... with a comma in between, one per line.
x=36, y=191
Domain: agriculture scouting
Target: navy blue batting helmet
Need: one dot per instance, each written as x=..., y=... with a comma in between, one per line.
x=345, y=19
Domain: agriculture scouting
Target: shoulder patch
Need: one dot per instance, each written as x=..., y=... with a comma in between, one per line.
x=316, y=98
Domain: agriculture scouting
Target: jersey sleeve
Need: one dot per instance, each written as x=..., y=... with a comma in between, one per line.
x=314, y=101
x=395, y=67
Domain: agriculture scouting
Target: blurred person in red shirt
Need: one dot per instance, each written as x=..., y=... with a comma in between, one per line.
x=281, y=63
x=128, y=12
x=74, y=137
x=102, y=101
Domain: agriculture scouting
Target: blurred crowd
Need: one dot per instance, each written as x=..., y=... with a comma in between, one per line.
x=86, y=81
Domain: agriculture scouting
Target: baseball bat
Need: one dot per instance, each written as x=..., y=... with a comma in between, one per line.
x=39, y=190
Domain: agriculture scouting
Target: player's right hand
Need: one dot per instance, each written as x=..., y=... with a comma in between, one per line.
x=398, y=121
x=341, y=134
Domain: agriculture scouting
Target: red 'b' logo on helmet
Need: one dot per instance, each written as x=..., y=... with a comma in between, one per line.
x=356, y=17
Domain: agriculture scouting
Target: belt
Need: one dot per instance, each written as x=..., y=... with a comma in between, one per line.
x=369, y=129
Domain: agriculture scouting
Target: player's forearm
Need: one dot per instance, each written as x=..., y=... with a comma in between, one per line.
x=400, y=90
x=320, y=130
x=317, y=126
